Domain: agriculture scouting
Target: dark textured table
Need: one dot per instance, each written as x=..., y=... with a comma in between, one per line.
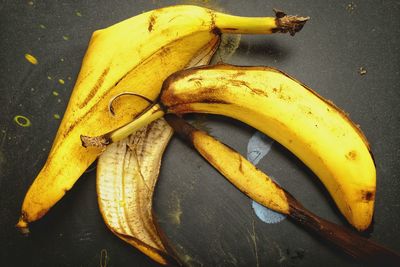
x=208, y=221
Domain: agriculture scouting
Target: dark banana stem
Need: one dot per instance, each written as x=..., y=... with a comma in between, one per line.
x=358, y=247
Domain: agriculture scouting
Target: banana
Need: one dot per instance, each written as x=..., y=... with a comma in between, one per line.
x=127, y=173
x=261, y=188
x=135, y=55
x=126, y=176
x=312, y=128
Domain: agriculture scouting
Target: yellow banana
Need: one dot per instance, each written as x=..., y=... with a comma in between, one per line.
x=314, y=129
x=135, y=55
x=127, y=173
x=258, y=186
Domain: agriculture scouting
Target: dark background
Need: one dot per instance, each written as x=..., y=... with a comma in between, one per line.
x=208, y=221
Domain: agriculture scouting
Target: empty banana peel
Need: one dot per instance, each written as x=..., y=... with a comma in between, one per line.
x=261, y=188
x=127, y=173
x=135, y=55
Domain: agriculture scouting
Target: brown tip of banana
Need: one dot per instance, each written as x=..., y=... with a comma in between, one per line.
x=22, y=226
x=96, y=141
x=287, y=23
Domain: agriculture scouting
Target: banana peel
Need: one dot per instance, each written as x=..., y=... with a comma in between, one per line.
x=261, y=188
x=127, y=173
x=135, y=55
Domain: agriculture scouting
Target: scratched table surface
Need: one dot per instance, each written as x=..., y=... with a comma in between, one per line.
x=348, y=52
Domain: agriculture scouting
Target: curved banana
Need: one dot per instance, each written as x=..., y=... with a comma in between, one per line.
x=314, y=129
x=127, y=173
x=260, y=187
x=134, y=55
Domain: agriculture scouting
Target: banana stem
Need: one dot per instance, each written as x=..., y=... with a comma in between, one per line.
x=262, y=25
x=352, y=244
x=358, y=247
x=150, y=114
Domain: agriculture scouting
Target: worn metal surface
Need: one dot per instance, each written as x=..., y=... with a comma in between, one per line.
x=206, y=219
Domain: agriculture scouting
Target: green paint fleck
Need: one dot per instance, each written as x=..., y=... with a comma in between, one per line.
x=49, y=78
x=55, y=93
x=79, y=14
x=42, y=26
x=59, y=100
x=61, y=59
x=66, y=38
x=61, y=81
x=56, y=116
x=22, y=121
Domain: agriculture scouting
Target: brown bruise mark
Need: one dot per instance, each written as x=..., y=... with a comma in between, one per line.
x=352, y=155
x=95, y=88
x=367, y=195
x=152, y=21
x=230, y=29
x=238, y=74
x=240, y=164
x=240, y=83
x=194, y=79
x=280, y=95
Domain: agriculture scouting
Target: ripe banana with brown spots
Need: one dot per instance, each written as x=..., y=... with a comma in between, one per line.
x=135, y=55
x=314, y=129
x=261, y=188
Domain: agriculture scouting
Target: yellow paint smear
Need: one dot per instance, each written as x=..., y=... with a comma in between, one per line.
x=31, y=59
x=22, y=121
x=56, y=116
x=61, y=81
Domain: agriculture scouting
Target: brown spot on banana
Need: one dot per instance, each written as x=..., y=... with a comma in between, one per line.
x=240, y=83
x=352, y=155
x=367, y=195
x=95, y=88
x=152, y=21
x=240, y=163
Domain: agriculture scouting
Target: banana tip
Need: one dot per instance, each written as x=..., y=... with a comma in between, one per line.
x=22, y=226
